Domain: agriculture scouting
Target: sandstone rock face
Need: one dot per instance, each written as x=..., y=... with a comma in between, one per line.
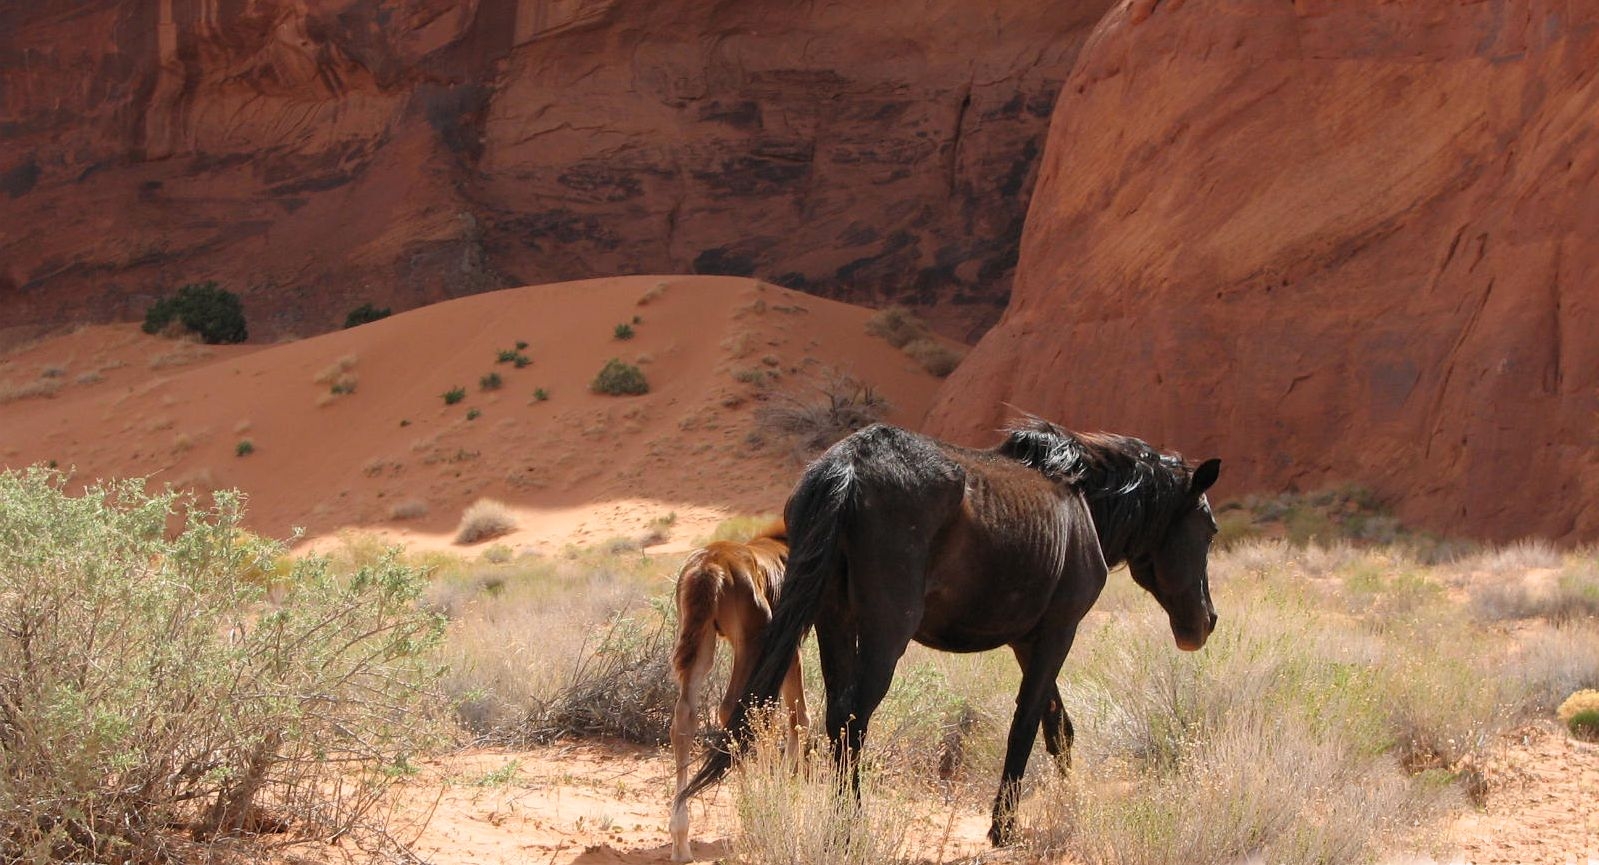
x=312, y=155
x=1335, y=241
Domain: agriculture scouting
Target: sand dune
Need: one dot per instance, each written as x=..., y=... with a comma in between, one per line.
x=575, y=467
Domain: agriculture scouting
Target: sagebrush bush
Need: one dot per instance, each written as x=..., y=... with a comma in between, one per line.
x=620, y=379
x=366, y=313
x=897, y=326
x=149, y=683
x=484, y=519
x=933, y=356
x=204, y=308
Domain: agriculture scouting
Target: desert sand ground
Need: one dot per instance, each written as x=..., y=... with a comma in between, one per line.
x=389, y=457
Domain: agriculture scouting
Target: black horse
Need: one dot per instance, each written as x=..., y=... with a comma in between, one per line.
x=895, y=536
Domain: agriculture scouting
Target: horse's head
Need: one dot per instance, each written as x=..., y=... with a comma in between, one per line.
x=1173, y=569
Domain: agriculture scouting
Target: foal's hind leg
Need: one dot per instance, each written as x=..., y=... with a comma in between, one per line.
x=794, y=702
x=685, y=723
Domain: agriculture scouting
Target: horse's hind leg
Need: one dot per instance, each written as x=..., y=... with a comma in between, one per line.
x=1057, y=725
x=1058, y=733
x=685, y=723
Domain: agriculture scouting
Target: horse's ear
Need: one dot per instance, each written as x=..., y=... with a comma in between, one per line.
x=1204, y=476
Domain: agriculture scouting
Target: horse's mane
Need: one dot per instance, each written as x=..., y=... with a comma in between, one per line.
x=1133, y=490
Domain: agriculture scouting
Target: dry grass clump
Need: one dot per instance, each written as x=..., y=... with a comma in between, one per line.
x=484, y=519
x=897, y=326
x=39, y=387
x=789, y=817
x=1516, y=557
x=934, y=356
x=1571, y=595
x=906, y=331
x=809, y=424
x=182, y=353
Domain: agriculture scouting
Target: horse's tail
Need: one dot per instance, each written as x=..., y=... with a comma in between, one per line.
x=816, y=512
x=699, y=587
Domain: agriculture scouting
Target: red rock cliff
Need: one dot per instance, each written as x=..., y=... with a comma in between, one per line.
x=315, y=154
x=1330, y=241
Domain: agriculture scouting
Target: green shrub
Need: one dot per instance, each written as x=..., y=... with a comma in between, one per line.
x=620, y=379
x=473, y=414
x=216, y=315
x=491, y=381
x=505, y=355
x=623, y=331
x=540, y=394
x=149, y=681
x=365, y=314
x=454, y=395
x=244, y=448
x=1580, y=714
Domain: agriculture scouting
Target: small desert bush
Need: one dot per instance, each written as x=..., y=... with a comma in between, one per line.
x=540, y=394
x=454, y=395
x=149, y=682
x=244, y=448
x=203, y=308
x=623, y=331
x=366, y=313
x=1580, y=714
x=811, y=422
x=410, y=509
x=490, y=381
x=897, y=326
x=619, y=379
x=933, y=356
x=484, y=519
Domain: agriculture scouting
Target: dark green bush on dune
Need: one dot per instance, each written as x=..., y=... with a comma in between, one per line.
x=213, y=313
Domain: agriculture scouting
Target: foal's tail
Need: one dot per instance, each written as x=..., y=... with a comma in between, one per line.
x=699, y=586
x=816, y=511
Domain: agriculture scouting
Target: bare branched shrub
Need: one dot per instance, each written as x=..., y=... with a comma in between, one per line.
x=484, y=519
x=620, y=687
x=811, y=422
x=149, y=686
x=541, y=648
